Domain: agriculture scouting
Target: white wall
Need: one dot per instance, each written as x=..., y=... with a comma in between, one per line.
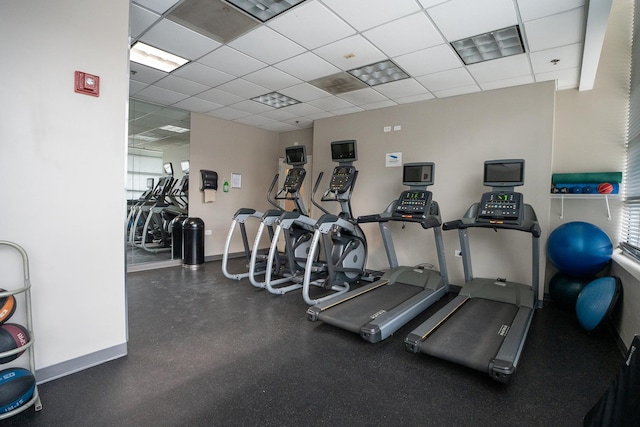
x=62, y=158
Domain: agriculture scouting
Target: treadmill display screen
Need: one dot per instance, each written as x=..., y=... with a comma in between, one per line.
x=500, y=206
x=504, y=173
x=344, y=151
x=296, y=155
x=417, y=174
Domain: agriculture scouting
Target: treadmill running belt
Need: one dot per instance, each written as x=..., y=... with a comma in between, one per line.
x=473, y=334
x=353, y=314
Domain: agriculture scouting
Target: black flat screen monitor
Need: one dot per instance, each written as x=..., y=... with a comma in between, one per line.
x=296, y=155
x=168, y=168
x=418, y=174
x=504, y=173
x=344, y=151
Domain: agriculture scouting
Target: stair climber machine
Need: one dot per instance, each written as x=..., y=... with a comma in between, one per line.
x=338, y=250
x=290, y=191
x=378, y=309
x=485, y=326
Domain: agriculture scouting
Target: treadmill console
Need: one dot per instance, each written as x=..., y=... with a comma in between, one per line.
x=414, y=204
x=293, y=181
x=342, y=179
x=500, y=207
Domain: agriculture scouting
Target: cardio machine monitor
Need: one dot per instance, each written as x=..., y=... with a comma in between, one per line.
x=504, y=173
x=168, y=168
x=344, y=151
x=417, y=174
x=296, y=155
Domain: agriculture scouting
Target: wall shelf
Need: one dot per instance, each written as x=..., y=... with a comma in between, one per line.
x=569, y=196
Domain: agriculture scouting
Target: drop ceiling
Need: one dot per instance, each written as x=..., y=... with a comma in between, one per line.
x=320, y=40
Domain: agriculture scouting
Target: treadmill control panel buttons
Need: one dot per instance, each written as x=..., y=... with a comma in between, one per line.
x=414, y=204
x=500, y=206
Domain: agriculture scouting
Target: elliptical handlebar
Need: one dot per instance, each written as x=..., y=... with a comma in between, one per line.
x=313, y=194
x=270, y=190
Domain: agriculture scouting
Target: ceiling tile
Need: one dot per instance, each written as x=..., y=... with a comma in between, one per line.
x=278, y=114
x=446, y=80
x=365, y=14
x=501, y=68
x=140, y=19
x=378, y=105
x=330, y=103
x=569, y=57
x=307, y=24
x=160, y=6
x=301, y=109
x=135, y=86
x=252, y=107
x=499, y=84
x=231, y=61
x=197, y=105
x=534, y=9
x=254, y=120
x=178, y=84
x=363, y=96
x=349, y=110
x=304, y=92
x=430, y=3
x=227, y=113
x=401, y=89
x=458, y=19
x=145, y=74
x=272, y=78
x=278, y=127
x=428, y=61
x=457, y=91
x=199, y=73
x=160, y=95
x=408, y=34
x=243, y=88
x=307, y=66
x=556, y=30
x=179, y=40
x=414, y=98
x=319, y=116
x=266, y=45
x=338, y=53
x=219, y=97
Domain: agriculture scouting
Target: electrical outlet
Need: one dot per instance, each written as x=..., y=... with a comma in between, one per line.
x=387, y=128
x=457, y=252
x=207, y=232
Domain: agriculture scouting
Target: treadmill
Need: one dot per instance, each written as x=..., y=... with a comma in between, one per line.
x=378, y=309
x=485, y=326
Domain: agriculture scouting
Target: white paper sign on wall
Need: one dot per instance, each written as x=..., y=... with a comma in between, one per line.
x=393, y=160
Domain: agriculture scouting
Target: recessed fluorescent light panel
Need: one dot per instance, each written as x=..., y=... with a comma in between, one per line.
x=176, y=129
x=275, y=100
x=379, y=73
x=155, y=58
x=488, y=46
x=263, y=10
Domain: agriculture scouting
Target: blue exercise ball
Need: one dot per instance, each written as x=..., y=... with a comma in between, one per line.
x=564, y=289
x=596, y=300
x=579, y=248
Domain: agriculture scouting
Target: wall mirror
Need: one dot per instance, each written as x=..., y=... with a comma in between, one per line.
x=157, y=182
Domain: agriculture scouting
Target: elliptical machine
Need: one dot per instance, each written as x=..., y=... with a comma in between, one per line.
x=288, y=263
x=296, y=157
x=340, y=238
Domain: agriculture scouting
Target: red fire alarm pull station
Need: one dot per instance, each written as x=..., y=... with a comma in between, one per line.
x=87, y=83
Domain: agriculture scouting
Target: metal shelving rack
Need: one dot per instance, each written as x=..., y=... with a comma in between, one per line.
x=26, y=290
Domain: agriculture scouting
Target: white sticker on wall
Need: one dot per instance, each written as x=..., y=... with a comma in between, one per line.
x=393, y=160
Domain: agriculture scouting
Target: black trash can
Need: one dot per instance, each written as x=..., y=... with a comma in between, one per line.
x=176, y=237
x=193, y=243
